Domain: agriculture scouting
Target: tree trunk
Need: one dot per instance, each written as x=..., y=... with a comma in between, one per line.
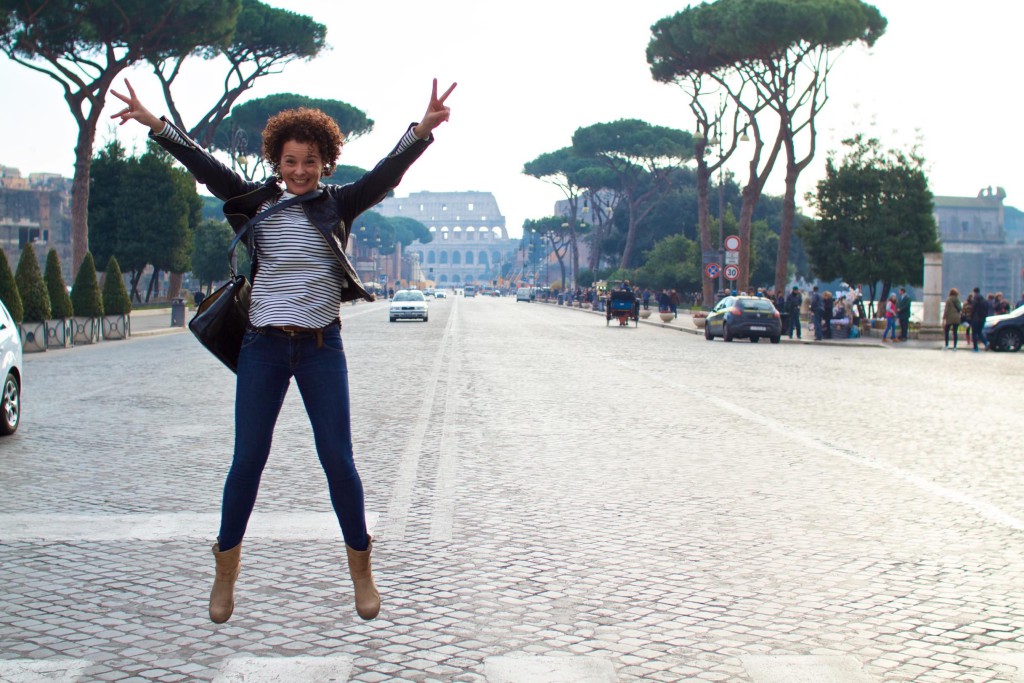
x=627, y=250
x=751, y=195
x=80, y=193
x=174, y=286
x=704, y=224
x=786, y=228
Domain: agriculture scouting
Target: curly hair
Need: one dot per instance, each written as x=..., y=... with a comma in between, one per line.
x=310, y=126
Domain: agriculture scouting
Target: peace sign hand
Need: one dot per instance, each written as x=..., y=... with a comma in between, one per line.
x=134, y=110
x=436, y=114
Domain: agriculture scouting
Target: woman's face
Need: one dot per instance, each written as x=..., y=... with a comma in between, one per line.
x=301, y=166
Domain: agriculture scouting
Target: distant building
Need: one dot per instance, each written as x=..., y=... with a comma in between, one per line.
x=470, y=242
x=36, y=209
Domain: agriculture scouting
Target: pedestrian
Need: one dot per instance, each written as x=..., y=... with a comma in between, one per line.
x=951, y=317
x=793, y=303
x=301, y=276
x=664, y=302
x=826, y=314
x=647, y=298
x=979, y=311
x=673, y=301
x=903, y=309
x=817, y=309
x=890, y=319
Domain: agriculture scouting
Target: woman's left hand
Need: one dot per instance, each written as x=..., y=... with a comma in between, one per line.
x=437, y=112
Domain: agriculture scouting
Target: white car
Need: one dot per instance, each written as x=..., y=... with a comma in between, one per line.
x=408, y=304
x=524, y=294
x=10, y=371
x=440, y=294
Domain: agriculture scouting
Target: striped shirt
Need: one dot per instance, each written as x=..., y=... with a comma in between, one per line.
x=300, y=279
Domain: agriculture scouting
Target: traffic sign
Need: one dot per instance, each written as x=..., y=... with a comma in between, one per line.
x=732, y=257
x=732, y=272
x=732, y=243
x=712, y=270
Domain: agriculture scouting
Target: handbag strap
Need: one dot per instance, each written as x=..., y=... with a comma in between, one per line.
x=280, y=206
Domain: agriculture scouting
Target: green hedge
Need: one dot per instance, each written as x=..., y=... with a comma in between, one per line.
x=85, y=293
x=115, y=295
x=9, y=290
x=31, y=287
x=60, y=300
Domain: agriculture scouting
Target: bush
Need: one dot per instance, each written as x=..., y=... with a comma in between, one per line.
x=9, y=290
x=31, y=287
x=60, y=301
x=115, y=294
x=85, y=293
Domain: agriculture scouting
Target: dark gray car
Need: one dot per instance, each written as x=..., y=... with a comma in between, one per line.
x=750, y=317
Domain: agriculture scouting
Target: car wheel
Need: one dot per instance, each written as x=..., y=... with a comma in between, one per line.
x=726, y=335
x=424, y=318
x=393, y=318
x=707, y=332
x=10, y=406
x=1012, y=340
x=754, y=340
x=775, y=340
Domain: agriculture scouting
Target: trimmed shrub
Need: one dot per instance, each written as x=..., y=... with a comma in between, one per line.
x=9, y=290
x=60, y=300
x=31, y=287
x=85, y=293
x=115, y=294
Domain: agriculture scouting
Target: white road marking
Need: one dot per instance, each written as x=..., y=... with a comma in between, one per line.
x=284, y=526
x=334, y=669
x=443, y=515
x=401, y=495
x=571, y=669
x=804, y=669
x=42, y=670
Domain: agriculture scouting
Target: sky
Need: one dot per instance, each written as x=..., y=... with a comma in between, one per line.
x=530, y=73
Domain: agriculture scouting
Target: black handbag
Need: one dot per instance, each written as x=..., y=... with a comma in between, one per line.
x=221, y=319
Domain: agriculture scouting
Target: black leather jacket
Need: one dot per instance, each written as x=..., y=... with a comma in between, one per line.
x=332, y=213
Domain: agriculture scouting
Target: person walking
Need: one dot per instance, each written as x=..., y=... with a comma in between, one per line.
x=673, y=301
x=827, y=312
x=817, y=310
x=890, y=319
x=300, y=277
x=979, y=311
x=903, y=312
x=951, y=317
x=793, y=304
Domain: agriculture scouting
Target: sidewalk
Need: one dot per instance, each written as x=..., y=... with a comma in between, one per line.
x=684, y=323
x=150, y=322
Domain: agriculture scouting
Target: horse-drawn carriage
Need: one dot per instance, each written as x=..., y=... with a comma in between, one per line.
x=622, y=305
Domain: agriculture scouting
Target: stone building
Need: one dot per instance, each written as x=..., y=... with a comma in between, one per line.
x=36, y=209
x=977, y=250
x=470, y=244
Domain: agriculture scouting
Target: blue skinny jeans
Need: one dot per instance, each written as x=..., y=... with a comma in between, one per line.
x=890, y=326
x=268, y=361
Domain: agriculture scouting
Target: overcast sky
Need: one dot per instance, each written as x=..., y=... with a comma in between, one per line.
x=532, y=72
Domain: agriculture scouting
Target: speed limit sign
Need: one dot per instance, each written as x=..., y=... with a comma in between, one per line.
x=732, y=272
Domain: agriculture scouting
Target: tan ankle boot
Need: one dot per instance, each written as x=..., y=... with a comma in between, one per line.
x=367, y=597
x=222, y=597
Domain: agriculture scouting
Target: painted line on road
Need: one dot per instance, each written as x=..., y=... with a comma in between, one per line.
x=42, y=670
x=332, y=669
x=401, y=496
x=788, y=431
x=280, y=526
x=568, y=669
x=805, y=669
x=442, y=517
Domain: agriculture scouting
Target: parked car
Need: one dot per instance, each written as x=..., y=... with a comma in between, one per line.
x=10, y=370
x=524, y=294
x=752, y=317
x=1005, y=332
x=408, y=304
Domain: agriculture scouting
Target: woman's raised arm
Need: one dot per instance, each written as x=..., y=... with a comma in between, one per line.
x=135, y=111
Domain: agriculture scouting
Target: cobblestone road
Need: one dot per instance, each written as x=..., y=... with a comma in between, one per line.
x=555, y=500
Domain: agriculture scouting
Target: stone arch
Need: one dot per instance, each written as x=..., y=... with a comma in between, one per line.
x=469, y=258
x=456, y=258
x=431, y=257
x=443, y=258
x=482, y=258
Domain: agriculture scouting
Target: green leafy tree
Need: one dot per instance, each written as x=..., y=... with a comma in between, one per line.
x=875, y=218
x=343, y=175
x=210, y=246
x=409, y=230
x=263, y=41
x=115, y=296
x=9, y=290
x=556, y=234
x=673, y=263
x=241, y=133
x=641, y=156
x=31, y=286
x=60, y=300
x=85, y=293
x=84, y=46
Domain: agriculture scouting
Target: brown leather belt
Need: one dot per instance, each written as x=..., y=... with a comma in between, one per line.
x=295, y=329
